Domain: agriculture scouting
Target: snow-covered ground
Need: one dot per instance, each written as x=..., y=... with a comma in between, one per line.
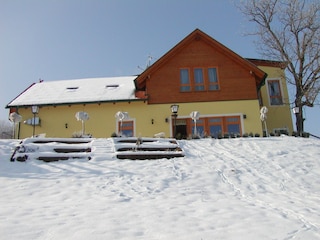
x=244, y=188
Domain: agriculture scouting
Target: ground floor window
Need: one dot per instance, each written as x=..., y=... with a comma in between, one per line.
x=199, y=127
x=126, y=128
x=209, y=126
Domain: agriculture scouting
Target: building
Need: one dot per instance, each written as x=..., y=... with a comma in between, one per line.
x=199, y=74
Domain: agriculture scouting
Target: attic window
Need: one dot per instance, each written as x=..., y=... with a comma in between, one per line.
x=112, y=86
x=72, y=88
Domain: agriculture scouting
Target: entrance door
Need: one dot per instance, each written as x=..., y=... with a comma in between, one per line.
x=181, y=129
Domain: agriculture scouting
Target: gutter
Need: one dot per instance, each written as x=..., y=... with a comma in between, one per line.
x=263, y=82
x=75, y=103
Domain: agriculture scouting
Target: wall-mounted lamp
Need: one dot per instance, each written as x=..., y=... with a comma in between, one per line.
x=66, y=125
x=244, y=116
x=152, y=121
x=166, y=120
x=295, y=110
x=174, y=109
x=34, y=109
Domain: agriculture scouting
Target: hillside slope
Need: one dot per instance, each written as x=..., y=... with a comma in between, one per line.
x=245, y=188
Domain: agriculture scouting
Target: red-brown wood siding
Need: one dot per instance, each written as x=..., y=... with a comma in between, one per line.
x=235, y=81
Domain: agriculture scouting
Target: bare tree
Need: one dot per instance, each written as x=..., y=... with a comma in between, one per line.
x=289, y=30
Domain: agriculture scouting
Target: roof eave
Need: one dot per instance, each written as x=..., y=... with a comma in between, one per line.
x=268, y=63
x=77, y=103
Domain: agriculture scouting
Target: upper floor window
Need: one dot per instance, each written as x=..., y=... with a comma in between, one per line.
x=198, y=80
x=213, y=79
x=184, y=80
x=274, y=90
x=202, y=79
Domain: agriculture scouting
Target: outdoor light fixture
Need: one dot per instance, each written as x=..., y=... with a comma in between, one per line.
x=174, y=109
x=34, y=110
x=295, y=110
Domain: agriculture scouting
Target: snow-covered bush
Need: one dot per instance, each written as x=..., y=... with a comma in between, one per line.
x=80, y=135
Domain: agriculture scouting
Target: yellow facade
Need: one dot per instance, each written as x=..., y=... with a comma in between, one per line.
x=60, y=121
x=149, y=119
x=147, y=98
x=278, y=116
x=228, y=97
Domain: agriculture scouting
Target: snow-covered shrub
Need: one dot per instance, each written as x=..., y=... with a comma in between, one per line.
x=305, y=134
x=77, y=134
x=159, y=135
x=114, y=134
x=80, y=135
x=195, y=136
x=226, y=135
x=219, y=136
x=235, y=135
x=178, y=136
x=245, y=135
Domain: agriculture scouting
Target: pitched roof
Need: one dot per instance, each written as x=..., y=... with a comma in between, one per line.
x=92, y=90
x=268, y=63
x=77, y=91
x=196, y=35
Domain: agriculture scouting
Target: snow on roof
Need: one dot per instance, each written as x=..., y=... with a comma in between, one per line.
x=78, y=91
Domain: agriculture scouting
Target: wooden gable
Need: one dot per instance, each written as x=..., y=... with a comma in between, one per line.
x=238, y=78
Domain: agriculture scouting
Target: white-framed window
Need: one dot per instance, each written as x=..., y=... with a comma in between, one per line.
x=213, y=79
x=185, y=85
x=274, y=92
x=198, y=79
x=126, y=128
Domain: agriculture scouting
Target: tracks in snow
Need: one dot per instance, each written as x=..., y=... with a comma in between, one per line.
x=247, y=176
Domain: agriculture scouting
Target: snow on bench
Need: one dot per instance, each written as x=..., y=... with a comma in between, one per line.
x=52, y=149
x=55, y=149
x=147, y=148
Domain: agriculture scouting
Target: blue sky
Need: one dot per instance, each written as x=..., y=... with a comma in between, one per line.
x=70, y=39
